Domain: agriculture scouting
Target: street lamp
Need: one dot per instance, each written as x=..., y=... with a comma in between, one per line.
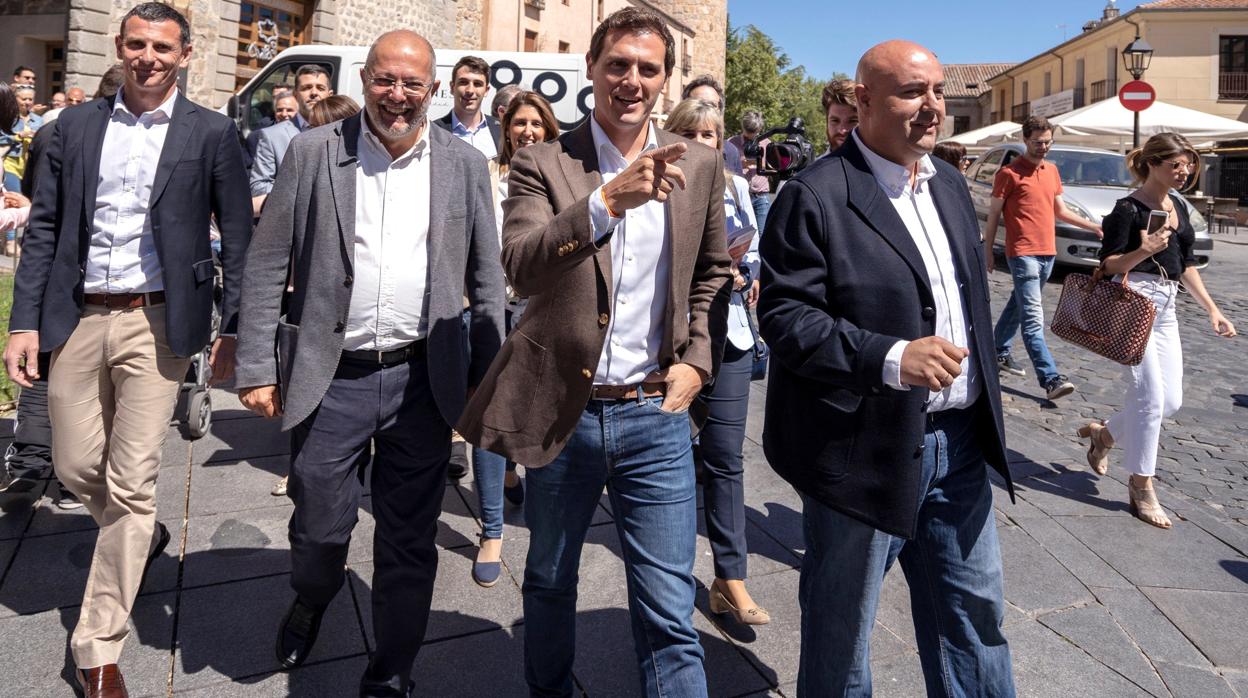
x=1136, y=57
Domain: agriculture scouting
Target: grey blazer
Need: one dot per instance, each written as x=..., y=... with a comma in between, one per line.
x=271, y=145
x=308, y=229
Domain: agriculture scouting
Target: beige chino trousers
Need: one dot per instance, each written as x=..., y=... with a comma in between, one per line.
x=112, y=390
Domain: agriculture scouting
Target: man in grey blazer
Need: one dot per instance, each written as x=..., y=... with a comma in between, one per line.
x=312, y=84
x=384, y=226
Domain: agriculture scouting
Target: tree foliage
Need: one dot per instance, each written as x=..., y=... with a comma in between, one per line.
x=759, y=76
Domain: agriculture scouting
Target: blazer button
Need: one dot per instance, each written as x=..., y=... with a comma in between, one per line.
x=603, y=319
x=929, y=313
x=339, y=327
x=348, y=281
x=919, y=451
x=587, y=373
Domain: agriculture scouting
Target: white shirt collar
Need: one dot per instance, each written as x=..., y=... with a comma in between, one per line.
x=370, y=140
x=894, y=178
x=604, y=146
x=165, y=108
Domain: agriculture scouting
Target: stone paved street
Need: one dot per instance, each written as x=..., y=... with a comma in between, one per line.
x=1099, y=603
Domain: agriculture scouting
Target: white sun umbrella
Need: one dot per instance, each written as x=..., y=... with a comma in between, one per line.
x=1108, y=118
x=988, y=135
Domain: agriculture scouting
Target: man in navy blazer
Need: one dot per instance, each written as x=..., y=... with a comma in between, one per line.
x=883, y=408
x=116, y=280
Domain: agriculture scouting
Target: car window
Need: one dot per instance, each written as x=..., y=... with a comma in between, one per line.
x=989, y=166
x=1091, y=169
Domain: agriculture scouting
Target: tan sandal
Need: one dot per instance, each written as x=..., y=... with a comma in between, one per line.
x=1098, y=449
x=745, y=616
x=1144, y=505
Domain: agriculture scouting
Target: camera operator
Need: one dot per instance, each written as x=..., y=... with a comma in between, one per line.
x=760, y=187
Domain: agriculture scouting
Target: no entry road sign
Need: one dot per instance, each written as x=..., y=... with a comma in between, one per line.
x=1137, y=95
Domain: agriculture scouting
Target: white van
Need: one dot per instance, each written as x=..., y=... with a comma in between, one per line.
x=559, y=77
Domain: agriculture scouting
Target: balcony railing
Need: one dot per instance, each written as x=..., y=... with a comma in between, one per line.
x=996, y=117
x=1232, y=85
x=1019, y=112
x=1104, y=89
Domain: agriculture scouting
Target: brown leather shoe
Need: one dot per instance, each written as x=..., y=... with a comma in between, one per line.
x=102, y=682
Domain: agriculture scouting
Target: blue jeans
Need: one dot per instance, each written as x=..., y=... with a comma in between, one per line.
x=1025, y=308
x=762, y=204
x=488, y=470
x=953, y=567
x=644, y=457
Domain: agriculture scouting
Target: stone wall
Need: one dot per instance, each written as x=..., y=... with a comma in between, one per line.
x=709, y=21
x=361, y=21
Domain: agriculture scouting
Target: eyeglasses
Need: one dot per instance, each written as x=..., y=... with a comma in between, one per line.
x=1177, y=165
x=384, y=84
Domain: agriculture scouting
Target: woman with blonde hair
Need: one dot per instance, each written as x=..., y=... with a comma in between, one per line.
x=721, y=439
x=1155, y=264
x=528, y=120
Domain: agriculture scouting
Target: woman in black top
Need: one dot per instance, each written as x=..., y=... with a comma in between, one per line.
x=1155, y=264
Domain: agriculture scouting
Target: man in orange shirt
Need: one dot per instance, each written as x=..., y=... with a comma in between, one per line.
x=1029, y=192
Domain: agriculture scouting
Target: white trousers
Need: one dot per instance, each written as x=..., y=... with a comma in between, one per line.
x=1155, y=387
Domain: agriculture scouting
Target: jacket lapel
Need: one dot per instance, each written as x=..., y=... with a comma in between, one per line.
x=441, y=178
x=342, y=158
x=579, y=162
x=679, y=234
x=878, y=212
x=181, y=127
x=92, y=147
x=955, y=223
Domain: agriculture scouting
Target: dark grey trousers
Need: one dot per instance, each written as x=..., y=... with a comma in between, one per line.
x=392, y=410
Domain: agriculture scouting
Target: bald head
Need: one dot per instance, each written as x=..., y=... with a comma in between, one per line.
x=882, y=60
x=901, y=100
x=400, y=42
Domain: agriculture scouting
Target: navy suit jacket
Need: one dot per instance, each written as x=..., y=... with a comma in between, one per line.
x=842, y=281
x=200, y=175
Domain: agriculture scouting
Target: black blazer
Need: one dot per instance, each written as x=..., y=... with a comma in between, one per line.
x=842, y=281
x=200, y=174
x=495, y=129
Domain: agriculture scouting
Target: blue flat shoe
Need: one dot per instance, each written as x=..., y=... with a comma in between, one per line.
x=486, y=574
x=515, y=495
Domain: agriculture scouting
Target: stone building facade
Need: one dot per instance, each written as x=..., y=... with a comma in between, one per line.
x=70, y=42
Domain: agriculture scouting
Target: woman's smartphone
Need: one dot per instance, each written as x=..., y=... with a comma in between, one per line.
x=1156, y=221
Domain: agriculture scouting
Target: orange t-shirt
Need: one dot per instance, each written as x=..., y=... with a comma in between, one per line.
x=1028, y=191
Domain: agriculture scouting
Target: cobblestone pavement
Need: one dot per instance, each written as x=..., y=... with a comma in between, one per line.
x=1099, y=604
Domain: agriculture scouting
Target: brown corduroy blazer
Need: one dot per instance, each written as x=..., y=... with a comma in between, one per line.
x=528, y=405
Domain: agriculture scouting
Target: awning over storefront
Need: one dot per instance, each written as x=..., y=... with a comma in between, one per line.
x=989, y=135
x=1109, y=118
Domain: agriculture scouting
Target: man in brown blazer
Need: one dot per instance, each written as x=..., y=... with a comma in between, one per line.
x=621, y=254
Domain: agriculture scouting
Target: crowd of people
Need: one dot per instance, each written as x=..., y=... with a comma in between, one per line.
x=414, y=297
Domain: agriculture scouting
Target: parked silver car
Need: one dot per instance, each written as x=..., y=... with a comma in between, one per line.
x=1092, y=180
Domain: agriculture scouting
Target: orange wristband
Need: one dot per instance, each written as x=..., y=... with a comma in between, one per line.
x=603, y=194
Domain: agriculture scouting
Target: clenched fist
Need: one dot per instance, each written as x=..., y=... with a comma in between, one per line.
x=932, y=363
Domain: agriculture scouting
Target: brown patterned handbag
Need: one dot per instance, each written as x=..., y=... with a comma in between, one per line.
x=1108, y=318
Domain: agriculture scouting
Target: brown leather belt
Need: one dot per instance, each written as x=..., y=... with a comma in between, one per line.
x=626, y=392
x=124, y=301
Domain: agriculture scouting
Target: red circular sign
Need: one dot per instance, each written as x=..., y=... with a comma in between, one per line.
x=1137, y=95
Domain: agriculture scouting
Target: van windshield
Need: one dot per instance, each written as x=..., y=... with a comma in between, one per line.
x=1091, y=169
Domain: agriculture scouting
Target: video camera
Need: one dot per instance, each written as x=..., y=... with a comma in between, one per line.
x=782, y=159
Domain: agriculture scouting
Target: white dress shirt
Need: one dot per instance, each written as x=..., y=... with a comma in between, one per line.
x=737, y=218
x=641, y=264
x=391, y=245
x=917, y=209
x=122, y=255
x=478, y=137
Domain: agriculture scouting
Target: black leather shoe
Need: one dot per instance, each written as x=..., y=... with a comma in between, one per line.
x=162, y=541
x=458, y=466
x=297, y=634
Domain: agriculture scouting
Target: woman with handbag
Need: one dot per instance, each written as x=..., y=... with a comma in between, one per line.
x=1154, y=264
x=721, y=439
